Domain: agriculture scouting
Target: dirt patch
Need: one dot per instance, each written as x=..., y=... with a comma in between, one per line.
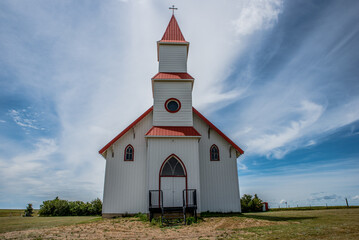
x=131, y=228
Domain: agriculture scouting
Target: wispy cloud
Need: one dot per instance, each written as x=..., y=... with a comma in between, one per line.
x=257, y=15
x=294, y=102
x=325, y=197
x=25, y=119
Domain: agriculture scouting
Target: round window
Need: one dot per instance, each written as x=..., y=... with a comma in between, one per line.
x=173, y=105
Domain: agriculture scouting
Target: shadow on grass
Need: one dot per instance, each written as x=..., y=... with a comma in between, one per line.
x=254, y=216
x=275, y=218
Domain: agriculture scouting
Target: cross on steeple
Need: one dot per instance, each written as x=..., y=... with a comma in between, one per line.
x=173, y=9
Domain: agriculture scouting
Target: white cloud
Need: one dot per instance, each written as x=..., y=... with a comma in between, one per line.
x=2, y=121
x=304, y=185
x=257, y=15
x=269, y=144
x=20, y=118
x=356, y=197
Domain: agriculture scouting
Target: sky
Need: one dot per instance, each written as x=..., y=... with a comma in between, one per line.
x=280, y=78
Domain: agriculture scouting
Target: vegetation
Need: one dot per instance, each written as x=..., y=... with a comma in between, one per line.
x=319, y=224
x=29, y=210
x=17, y=223
x=251, y=204
x=311, y=208
x=308, y=224
x=59, y=207
x=142, y=217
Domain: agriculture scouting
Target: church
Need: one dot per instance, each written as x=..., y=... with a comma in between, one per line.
x=171, y=158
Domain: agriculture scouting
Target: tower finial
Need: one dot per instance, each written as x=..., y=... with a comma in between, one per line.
x=173, y=9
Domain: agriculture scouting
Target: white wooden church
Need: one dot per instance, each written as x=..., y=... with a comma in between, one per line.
x=171, y=157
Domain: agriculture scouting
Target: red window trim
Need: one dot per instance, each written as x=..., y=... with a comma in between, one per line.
x=173, y=99
x=210, y=153
x=133, y=153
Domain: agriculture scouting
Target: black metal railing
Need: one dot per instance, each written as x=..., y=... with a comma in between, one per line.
x=155, y=199
x=155, y=202
x=189, y=198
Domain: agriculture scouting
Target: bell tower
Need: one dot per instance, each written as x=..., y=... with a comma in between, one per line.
x=172, y=85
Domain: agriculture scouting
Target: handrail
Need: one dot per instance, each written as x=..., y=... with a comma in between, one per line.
x=190, y=198
x=160, y=198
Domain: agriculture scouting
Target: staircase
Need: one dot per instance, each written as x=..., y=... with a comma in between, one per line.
x=173, y=215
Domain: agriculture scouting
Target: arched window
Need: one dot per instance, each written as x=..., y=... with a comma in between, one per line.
x=173, y=168
x=129, y=153
x=214, y=152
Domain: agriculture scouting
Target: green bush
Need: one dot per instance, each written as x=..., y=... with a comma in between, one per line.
x=190, y=220
x=142, y=217
x=251, y=204
x=59, y=207
x=29, y=210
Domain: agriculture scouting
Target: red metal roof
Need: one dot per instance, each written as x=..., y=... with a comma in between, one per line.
x=125, y=130
x=177, y=131
x=218, y=131
x=162, y=75
x=173, y=32
x=172, y=131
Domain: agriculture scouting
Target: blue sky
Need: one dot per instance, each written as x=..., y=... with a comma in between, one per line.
x=279, y=77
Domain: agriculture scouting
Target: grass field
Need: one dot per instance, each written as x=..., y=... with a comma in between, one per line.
x=299, y=224
x=11, y=220
x=308, y=224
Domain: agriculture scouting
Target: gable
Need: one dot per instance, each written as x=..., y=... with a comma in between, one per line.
x=125, y=131
x=211, y=125
x=195, y=111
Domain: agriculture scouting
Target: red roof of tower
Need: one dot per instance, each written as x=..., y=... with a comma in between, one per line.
x=173, y=32
x=172, y=131
x=163, y=75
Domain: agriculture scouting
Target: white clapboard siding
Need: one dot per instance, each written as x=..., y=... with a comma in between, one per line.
x=219, y=179
x=166, y=90
x=159, y=149
x=125, y=182
x=172, y=58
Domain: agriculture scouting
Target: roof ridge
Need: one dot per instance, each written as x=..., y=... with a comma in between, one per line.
x=151, y=109
x=217, y=130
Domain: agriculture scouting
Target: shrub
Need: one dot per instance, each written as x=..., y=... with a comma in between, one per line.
x=29, y=210
x=251, y=204
x=59, y=207
x=142, y=217
x=190, y=220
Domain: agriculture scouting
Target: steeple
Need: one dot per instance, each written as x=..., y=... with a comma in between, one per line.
x=172, y=49
x=173, y=32
x=172, y=85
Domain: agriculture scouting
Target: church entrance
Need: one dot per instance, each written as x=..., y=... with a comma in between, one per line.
x=173, y=180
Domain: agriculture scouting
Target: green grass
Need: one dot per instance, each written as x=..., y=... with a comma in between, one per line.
x=16, y=223
x=311, y=208
x=319, y=224
x=298, y=224
x=14, y=212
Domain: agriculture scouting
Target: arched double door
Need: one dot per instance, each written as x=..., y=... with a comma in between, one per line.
x=172, y=181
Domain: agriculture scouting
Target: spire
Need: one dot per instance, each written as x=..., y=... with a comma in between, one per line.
x=173, y=32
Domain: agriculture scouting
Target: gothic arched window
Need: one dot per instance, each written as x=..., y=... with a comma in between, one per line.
x=129, y=153
x=214, y=152
x=173, y=168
